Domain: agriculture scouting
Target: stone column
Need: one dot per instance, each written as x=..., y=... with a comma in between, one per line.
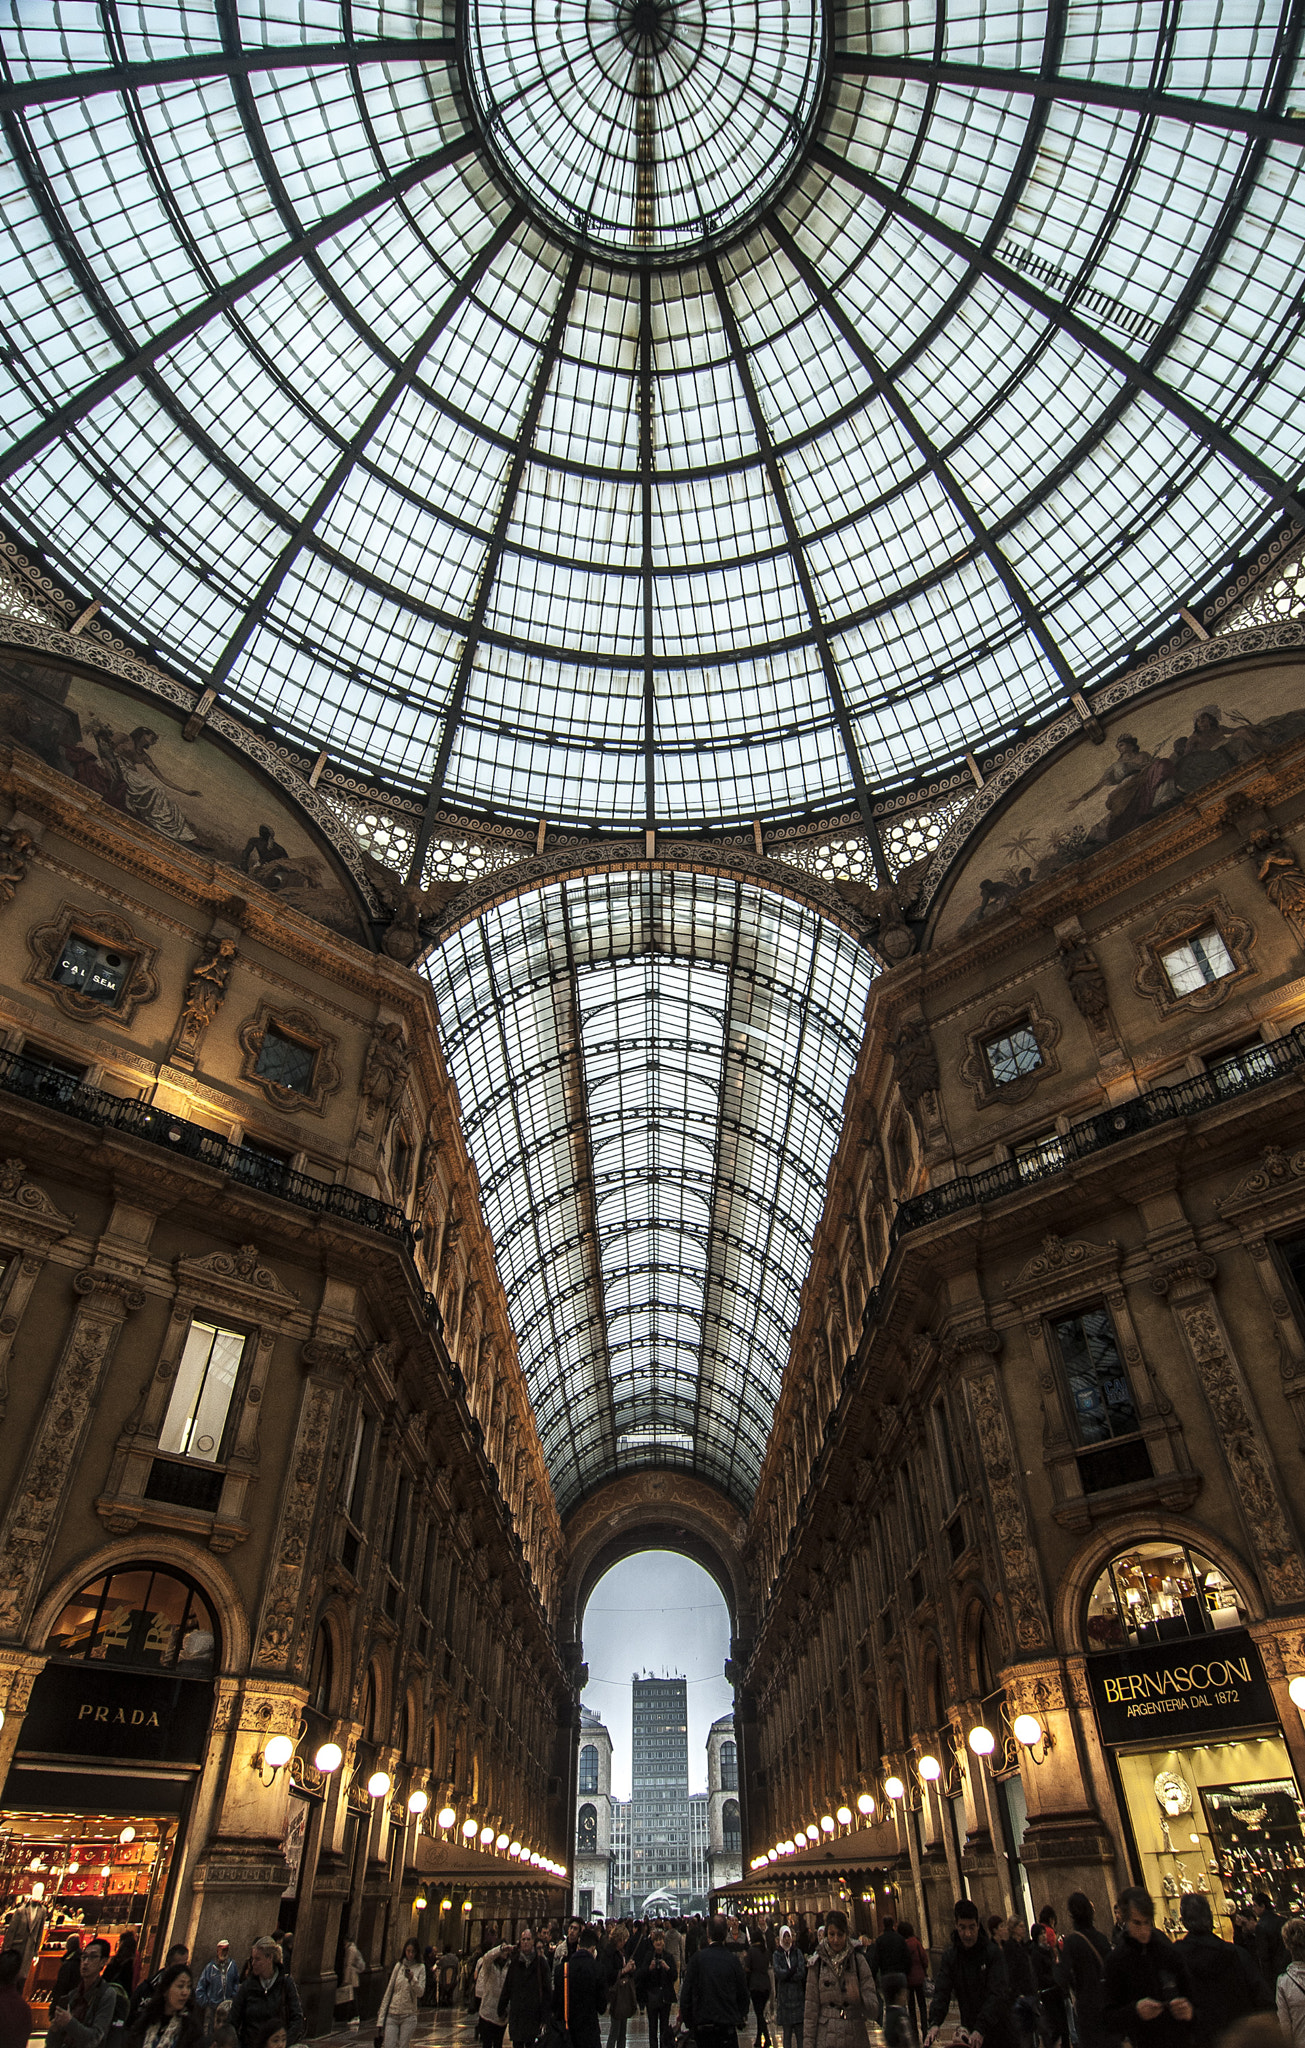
x=240, y=1874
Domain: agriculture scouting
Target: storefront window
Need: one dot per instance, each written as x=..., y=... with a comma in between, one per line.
x=1221, y=1818
x=1159, y=1592
x=93, y=1875
x=147, y=1619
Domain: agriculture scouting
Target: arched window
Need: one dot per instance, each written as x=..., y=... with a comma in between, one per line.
x=586, y=1831
x=729, y=1767
x=1156, y=1593
x=589, y=1768
x=321, y=1672
x=732, y=1828
x=151, y=1619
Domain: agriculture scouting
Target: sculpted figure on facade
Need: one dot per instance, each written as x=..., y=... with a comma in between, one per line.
x=385, y=1074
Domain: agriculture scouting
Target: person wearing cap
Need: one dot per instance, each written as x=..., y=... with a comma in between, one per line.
x=217, y=1983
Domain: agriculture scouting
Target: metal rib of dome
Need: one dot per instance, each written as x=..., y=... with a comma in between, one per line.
x=652, y=1070
x=1010, y=365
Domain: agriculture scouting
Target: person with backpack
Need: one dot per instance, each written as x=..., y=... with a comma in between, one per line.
x=1081, y=1974
x=268, y=1993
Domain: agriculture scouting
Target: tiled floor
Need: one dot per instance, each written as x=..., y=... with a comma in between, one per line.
x=457, y=2029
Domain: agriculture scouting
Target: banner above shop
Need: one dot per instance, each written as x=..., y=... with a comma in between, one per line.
x=93, y=1711
x=1210, y=1685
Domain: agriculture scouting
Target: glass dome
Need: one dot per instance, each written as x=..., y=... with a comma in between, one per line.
x=648, y=411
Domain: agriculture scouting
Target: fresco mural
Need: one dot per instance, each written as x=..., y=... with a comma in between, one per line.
x=1156, y=753
x=131, y=753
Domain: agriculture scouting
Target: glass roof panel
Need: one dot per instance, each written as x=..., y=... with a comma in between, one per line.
x=535, y=418
x=652, y=1070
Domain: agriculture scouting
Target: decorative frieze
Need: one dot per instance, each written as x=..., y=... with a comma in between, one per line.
x=294, y=1531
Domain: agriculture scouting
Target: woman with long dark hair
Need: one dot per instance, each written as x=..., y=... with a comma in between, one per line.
x=171, y=2018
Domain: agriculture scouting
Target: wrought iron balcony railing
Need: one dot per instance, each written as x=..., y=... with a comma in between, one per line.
x=21, y=1074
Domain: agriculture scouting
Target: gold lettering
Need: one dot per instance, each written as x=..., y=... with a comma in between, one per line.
x=84, y=1710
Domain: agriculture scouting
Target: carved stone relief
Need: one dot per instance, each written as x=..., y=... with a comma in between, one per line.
x=205, y=993
x=15, y=845
x=1010, y=1517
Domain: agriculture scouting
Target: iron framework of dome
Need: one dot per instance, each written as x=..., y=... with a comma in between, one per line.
x=340, y=422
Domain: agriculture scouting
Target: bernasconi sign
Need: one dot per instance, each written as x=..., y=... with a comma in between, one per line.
x=1210, y=1685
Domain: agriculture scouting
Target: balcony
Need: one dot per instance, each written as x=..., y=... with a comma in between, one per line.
x=1242, y=1074
x=52, y=1088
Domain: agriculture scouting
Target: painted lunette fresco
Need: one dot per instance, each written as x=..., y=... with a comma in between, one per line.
x=1156, y=753
x=132, y=755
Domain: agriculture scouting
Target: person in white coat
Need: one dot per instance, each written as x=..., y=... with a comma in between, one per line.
x=397, y=2017
x=1291, y=1984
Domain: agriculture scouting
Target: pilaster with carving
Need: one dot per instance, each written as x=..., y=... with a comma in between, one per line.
x=36, y=1508
x=300, y=1499
x=974, y=1353
x=1186, y=1283
x=29, y=1225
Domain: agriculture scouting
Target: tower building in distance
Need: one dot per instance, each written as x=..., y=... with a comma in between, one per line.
x=659, y=1790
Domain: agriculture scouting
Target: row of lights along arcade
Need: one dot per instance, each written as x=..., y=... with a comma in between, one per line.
x=278, y=1751
x=1026, y=1729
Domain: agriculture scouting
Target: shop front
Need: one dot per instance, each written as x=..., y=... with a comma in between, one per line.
x=99, y=1789
x=1189, y=1723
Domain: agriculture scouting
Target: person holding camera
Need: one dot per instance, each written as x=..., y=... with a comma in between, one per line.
x=1147, y=1993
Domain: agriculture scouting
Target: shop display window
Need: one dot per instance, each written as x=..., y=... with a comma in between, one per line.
x=1221, y=1818
x=93, y=1875
x=147, y=1619
x=1159, y=1592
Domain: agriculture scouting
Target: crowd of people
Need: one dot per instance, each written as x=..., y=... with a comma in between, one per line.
x=790, y=1984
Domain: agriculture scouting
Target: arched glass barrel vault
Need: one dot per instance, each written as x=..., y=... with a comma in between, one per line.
x=652, y=1068
x=457, y=393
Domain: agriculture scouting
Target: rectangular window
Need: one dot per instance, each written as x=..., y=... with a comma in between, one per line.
x=1196, y=962
x=1012, y=1054
x=101, y=972
x=286, y=1060
x=1099, y=1392
x=201, y=1392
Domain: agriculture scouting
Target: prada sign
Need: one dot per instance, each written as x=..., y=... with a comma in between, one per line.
x=91, y=1710
x=1175, y=1692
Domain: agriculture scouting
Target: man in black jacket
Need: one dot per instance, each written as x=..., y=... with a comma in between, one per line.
x=527, y=1987
x=655, y=1984
x=1270, y=1951
x=973, y=1973
x=1082, y=1971
x=1225, y=1980
x=1147, y=1992
x=579, y=1992
x=891, y=1956
x=714, y=2000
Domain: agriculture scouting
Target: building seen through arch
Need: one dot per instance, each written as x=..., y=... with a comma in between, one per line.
x=652, y=878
